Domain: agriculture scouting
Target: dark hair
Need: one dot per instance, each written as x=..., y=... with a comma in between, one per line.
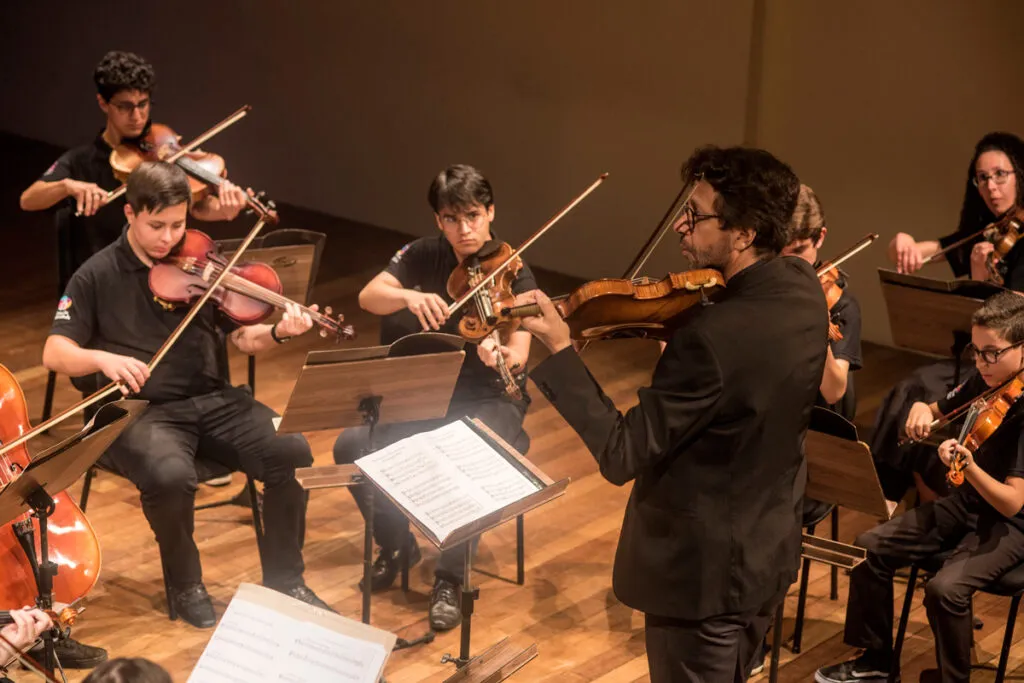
x=755, y=191
x=459, y=186
x=1003, y=313
x=128, y=670
x=808, y=217
x=119, y=71
x=974, y=214
x=156, y=185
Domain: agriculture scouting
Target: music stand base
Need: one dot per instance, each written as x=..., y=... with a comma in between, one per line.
x=494, y=664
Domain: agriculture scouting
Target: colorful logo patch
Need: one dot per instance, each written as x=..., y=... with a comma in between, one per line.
x=398, y=254
x=51, y=169
x=62, y=308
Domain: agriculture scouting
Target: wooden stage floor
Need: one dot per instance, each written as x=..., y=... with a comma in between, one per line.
x=566, y=606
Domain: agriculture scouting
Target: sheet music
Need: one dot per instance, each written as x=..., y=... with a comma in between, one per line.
x=255, y=642
x=446, y=478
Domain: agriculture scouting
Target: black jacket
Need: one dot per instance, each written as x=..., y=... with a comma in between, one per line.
x=715, y=446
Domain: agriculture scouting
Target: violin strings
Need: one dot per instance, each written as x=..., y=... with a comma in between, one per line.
x=242, y=286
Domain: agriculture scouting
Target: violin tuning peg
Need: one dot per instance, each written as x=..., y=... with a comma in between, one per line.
x=323, y=333
x=328, y=310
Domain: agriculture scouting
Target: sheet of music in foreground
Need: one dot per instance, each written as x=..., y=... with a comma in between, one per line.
x=448, y=478
x=267, y=636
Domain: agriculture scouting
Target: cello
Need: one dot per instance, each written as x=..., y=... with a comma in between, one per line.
x=73, y=546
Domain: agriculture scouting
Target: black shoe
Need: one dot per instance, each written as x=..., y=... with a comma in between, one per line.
x=194, y=606
x=72, y=654
x=444, y=606
x=862, y=670
x=305, y=594
x=389, y=563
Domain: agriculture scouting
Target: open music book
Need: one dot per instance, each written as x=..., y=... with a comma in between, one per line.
x=267, y=636
x=458, y=480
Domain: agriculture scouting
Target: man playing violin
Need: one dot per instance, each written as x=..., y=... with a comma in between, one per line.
x=108, y=322
x=981, y=522
x=80, y=179
x=711, y=536
x=415, y=282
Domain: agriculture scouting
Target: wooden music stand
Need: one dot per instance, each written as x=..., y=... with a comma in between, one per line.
x=933, y=316
x=294, y=255
x=366, y=387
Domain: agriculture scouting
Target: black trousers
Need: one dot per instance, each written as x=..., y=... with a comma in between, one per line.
x=158, y=451
x=718, y=649
x=984, y=547
x=390, y=526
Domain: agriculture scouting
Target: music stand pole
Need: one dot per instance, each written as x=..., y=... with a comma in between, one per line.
x=370, y=408
x=43, y=506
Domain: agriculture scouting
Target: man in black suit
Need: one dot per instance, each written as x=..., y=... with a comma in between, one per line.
x=711, y=535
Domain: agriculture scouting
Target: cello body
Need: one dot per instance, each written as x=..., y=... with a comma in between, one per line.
x=73, y=546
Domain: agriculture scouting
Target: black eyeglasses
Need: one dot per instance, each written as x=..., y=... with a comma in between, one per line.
x=989, y=356
x=127, y=108
x=693, y=217
x=1000, y=176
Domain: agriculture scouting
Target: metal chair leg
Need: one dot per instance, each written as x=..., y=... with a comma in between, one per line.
x=520, y=551
x=833, y=592
x=86, y=486
x=1004, y=654
x=901, y=630
x=51, y=386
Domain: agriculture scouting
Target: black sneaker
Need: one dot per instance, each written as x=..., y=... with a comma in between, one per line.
x=444, y=606
x=862, y=670
x=388, y=564
x=305, y=594
x=72, y=654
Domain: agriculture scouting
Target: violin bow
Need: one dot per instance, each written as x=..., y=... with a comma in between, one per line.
x=849, y=253
x=185, y=149
x=524, y=246
x=157, y=357
x=667, y=221
x=959, y=243
x=27, y=661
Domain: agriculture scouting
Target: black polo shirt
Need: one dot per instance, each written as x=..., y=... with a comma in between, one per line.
x=1001, y=455
x=86, y=235
x=108, y=306
x=846, y=315
x=425, y=265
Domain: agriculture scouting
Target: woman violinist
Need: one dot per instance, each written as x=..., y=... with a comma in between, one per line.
x=994, y=176
x=981, y=522
x=81, y=177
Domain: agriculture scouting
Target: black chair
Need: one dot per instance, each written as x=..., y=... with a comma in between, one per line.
x=1010, y=585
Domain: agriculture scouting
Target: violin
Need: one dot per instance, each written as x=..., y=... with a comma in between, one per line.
x=248, y=294
x=483, y=319
x=1003, y=234
x=833, y=281
x=641, y=307
x=73, y=545
x=205, y=170
x=986, y=416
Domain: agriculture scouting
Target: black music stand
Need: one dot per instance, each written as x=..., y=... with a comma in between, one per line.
x=933, y=316
x=49, y=473
x=411, y=380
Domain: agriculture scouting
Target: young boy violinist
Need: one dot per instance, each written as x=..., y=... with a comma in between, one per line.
x=414, y=284
x=981, y=522
x=108, y=322
x=80, y=179
x=844, y=355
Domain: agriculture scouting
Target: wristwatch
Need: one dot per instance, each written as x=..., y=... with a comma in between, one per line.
x=273, y=335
